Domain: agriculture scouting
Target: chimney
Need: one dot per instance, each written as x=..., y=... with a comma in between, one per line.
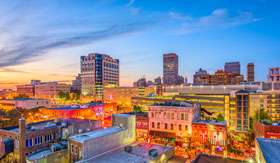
x=21, y=125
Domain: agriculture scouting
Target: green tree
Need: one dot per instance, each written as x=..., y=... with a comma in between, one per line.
x=61, y=95
x=262, y=115
x=137, y=109
x=67, y=96
x=220, y=118
x=21, y=96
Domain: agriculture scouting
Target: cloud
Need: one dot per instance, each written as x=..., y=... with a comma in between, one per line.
x=28, y=47
x=179, y=16
x=130, y=2
x=220, y=18
x=12, y=70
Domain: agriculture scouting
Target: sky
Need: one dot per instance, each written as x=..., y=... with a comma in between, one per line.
x=44, y=39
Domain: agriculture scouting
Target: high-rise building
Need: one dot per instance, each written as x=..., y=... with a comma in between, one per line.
x=233, y=67
x=76, y=84
x=273, y=74
x=250, y=72
x=140, y=83
x=157, y=80
x=170, y=68
x=98, y=71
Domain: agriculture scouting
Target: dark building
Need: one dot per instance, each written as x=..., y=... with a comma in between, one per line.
x=198, y=75
x=170, y=68
x=233, y=67
x=76, y=84
x=250, y=72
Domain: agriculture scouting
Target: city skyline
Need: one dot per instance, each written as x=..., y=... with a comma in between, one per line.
x=44, y=40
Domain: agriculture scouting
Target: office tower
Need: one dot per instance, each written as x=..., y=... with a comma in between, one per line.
x=233, y=67
x=170, y=68
x=98, y=71
x=250, y=72
x=76, y=84
x=273, y=74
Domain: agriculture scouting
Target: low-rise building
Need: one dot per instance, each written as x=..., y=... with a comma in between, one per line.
x=28, y=138
x=172, y=121
x=267, y=150
x=50, y=89
x=273, y=74
x=83, y=147
x=213, y=134
x=28, y=90
x=26, y=103
x=265, y=130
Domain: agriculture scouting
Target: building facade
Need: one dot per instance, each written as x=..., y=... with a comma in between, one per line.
x=50, y=90
x=98, y=71
x=172, y=122
x=28, y=90
x=250, y=72
x=213, y=133
x=170, y=68
x=273, y=74
x=28, y=103
x=76, y=84
x=233, y=67
x=265, y=130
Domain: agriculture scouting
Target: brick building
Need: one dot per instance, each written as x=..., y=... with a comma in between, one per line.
x=265, y=130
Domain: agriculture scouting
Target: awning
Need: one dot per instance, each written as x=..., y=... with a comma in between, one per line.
x=162, y=134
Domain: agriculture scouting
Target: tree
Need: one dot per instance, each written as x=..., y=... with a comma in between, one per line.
x=220, y=118
x=21, y=96
x=67, y=96
x=137, y=109
x=262, y=115
x=61, y=95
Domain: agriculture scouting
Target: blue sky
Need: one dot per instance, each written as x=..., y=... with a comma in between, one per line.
x=43, y=39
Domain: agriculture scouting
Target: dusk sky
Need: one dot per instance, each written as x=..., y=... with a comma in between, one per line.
x=44, y=39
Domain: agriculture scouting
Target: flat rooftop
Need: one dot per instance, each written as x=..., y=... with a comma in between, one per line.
x=80, y=106
x=270, y=149
x=179, y=104
x=140, y=153
x=210, y=122
x=38, y=155
x=95, y=134
x=22, y=99
x=203, y=158
x=46, y=124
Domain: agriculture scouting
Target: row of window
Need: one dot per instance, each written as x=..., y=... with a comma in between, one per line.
x=38, y=140
x=181, y=116
x=171, y=126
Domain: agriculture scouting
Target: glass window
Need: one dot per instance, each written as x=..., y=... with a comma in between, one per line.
x=166, y=126
x=186, y=127
x=153, y=115
x=153, y=124
x=171, y=126
x=172, y=115
x=26, y=143
x=30, y=142
x=186, y=117
x=182, y=116
x=158, y=125
x=180, y=127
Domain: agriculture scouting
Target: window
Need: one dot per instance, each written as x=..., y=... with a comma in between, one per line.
x=76, y=149
x=164, y=115
x=36, y=141
x=153, y=124
x=172, y=115
x=26, y=143
x=158, y=125
x=72, y=146
x=182, y=116
x=171, y=126
x=178, y=116
x=168, y=115
x=166, y=126
x=180, y=127
x=17, y=144
x=186, y=117
x=30, y=142
x=159, y=115
x=153, y=115
x=186, y=127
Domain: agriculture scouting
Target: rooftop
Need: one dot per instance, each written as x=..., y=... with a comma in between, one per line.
x=95, y=134
x=210, y=122
x=22, y=99
x=140, y=153
x=47, y=124
x=77, y=106
x=270, y=149
x=203, y=158
x=181, y=104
